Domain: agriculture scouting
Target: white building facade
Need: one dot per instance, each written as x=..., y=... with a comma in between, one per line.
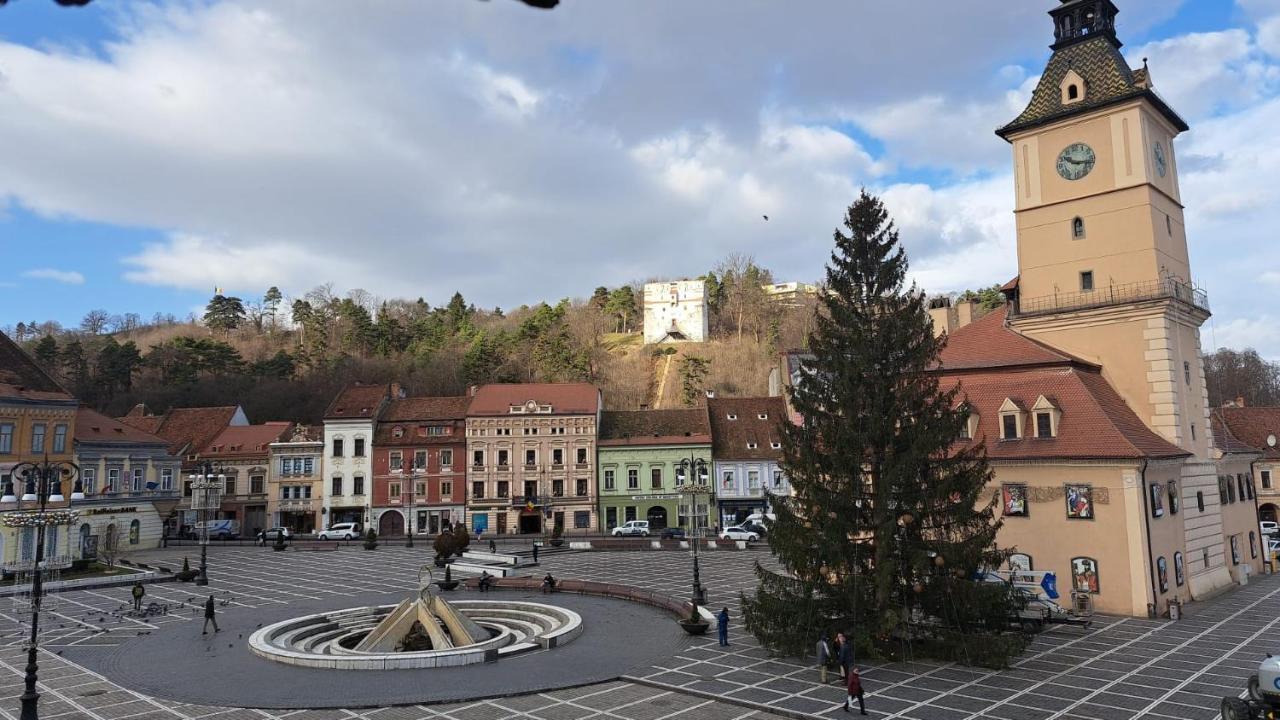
x=675, y=312
x=348, y=448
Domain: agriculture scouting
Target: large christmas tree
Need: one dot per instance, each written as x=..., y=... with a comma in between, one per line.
x=888, y=523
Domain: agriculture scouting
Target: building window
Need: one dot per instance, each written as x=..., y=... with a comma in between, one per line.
x=113, y=480
x=1013, y=500
x=1186, y=372
x=655, y=478
x=446, y=459
x=1222, y=490
x=581, y=487
x=611, y=518
x=726, y=481
x=608, y=479
x=633, y=479
x=752, y=446
x=89, y=476
x=231, y=484
x=1244, y=487
x=557, y=488
x=1080, y=502
x=530, y=458
x=582, y=456
x=1086, y=281
x=1204, y=554
x=337, y=447
x=6, y=438
x=397, y=460
x=557, y=457
x=1179, y=569
x=1200, y=501
x=397, y=432
x=358, y=449
x=446, y=489
x=777, y=478
x=477, y=458
x=37, y=438
x=629, y=513
x=582, y=520
x=732, y=416
x=1077, y=229
x=337, y=485
x=1193, y=432
x=504, y=489
x=1266, y=479
x=504, y=458
x=1009, y=427
x=394, y=491
x=753, y=479
x=477, y=489
x=420, y=459
x=1157, y=500
x=1168, y=225
x=1044, y=425
x=357, y=485
x=257, y=484
x=1084, y=575
x=136, y=484
x=1073, y=92
x=59, y=438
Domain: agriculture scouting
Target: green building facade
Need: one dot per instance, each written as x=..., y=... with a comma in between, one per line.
x=639, y=467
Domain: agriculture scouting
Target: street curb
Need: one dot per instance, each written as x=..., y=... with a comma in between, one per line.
x=746, y=704
x=145, y=577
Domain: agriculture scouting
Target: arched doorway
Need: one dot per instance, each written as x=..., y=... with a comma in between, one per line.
x=1267, y=512
x=657, y=517
x=391, y=524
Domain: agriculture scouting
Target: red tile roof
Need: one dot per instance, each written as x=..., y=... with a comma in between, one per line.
x=188, y=430
x=1253, y=426
x=94, y=427
x=247, y=440
x=1224, y=439
x=731, y=438
x=22, y=379
x=410, y=413
x=358, y=401
x=564, y=398
x=989, y=343
x=1095, y=422
x=620, y=428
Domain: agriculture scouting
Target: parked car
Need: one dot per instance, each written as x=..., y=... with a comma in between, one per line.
x=1269, y=527
x=341, y=531
x=673, y=533
x=269, y=535
x=220, y=529
x=739, y=533
x=632, y=528
x=754, y=527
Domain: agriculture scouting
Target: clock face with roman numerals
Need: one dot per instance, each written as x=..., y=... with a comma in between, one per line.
x=1076, y=161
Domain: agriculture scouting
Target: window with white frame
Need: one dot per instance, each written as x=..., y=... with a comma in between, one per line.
x=37, y=438
x=59, y=438
x=420, y=459
x=89, y=477
x=1010, y=420
x=113, y=480
x=6, y=438
x=137, y=479
x=396, y=459
x=633, y=478
x=446, y=458
x=608, y=480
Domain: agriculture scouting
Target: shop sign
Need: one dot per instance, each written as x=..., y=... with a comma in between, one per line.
x=654, y=497
x=112, y=511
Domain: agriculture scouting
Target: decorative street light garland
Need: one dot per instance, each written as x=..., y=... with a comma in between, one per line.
x=35, y=518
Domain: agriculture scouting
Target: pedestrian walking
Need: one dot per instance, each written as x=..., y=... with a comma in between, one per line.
x=722, y=624
x=493, y=546
x=138, y=593
x=853, y=685
x=209, y=617
x=844, y=654
x=823, y=651
x=535, y=551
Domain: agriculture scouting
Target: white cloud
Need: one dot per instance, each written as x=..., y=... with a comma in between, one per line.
x=69, y=277
x=1260, y=332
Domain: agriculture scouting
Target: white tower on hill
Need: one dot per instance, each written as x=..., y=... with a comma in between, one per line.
x=675, y=311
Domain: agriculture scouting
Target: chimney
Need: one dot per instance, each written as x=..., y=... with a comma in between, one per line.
x=965, y=312
x=471, y=390
x=1239, y=401
x=942, y=315
x=397, y=391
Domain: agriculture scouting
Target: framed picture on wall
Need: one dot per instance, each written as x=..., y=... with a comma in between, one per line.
x=1179, y=570
x=1157, y=500
x=1162, y=572
x=1235, y=549
x=1175, y=503
x=1013, y=500
x=1080, y=502
x=1020, y=562
x=1084, y=574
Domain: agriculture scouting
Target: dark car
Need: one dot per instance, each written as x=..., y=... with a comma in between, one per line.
x=673, y=533
x=756, y=528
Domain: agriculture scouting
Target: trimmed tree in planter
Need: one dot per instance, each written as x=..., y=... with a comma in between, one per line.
x=889, y=520
x=371, y=540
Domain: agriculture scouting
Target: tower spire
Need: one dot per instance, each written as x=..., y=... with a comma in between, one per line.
x=1079, y=20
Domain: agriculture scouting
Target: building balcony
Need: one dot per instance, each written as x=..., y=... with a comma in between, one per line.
x=582, y=466
x=1164, y=289
x=298, y=505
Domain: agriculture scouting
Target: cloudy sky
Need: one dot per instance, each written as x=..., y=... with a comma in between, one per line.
x=151, y=152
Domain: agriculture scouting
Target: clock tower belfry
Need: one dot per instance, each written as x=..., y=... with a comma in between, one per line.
x=1103, y=269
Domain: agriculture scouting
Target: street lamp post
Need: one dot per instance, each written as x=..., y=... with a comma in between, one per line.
x=413, y=492
x=43, y=484
x=694, y=470
x=206, y=494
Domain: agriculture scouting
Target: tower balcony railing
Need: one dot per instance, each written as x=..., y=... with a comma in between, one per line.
x=1166, y=288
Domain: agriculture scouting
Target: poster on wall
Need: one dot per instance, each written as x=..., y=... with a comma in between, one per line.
x=1080, y=502
x=1162, y=571
x=1179, y=572
x=1084, y=574
x=1157, y=500
x=1175, y=503
x=1235, y=549
x=1014, y=500
x=1020, y=562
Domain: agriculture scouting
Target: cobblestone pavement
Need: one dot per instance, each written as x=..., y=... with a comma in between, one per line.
x=1120, y=668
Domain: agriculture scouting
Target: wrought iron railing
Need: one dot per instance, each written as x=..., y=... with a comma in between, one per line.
x=1104, y=296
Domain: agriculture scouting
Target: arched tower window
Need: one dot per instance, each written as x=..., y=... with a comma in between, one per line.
x=1073, y=92
x=1077, y=229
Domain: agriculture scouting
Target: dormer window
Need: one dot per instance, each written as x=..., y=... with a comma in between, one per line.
x=1077, y=229
x=1073, y=88
x=776, y=445
x=397, y=432
x=763, y=416
x=1010, y=420
x=732, y=416
x=970, y=428
x=1046, y=416
x=752, y=446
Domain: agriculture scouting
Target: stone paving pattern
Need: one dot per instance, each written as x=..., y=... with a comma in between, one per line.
x=1120, y=668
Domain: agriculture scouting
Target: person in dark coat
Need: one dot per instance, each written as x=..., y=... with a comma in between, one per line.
x=853, y=685
x=722, y=624
x=535, y=552
x=209, y=617
x=493, y=546
x=138, y=593
x=823, y=651
x=548, y=584
x=485, y=581
x=844, y=654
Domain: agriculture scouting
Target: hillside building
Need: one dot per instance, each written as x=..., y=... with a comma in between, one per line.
x=676, y=311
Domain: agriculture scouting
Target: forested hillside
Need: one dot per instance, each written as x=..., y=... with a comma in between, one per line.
x=285, y=358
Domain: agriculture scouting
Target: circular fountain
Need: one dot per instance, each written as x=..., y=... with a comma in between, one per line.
x=423, y=632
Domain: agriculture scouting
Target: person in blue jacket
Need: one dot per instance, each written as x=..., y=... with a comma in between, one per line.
x=722, y=622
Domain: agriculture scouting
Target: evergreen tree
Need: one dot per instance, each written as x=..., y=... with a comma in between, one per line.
x=279, y=366
x=223, y=313
x=46, y=354
x=75, y=367
x=693, y=379
x=600, y=298
x=889, y=520
x=271, y=303
x=622, y=305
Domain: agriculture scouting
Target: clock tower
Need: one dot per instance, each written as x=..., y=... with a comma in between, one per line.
x=1103, y=271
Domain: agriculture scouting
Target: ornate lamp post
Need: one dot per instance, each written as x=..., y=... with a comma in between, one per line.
x=413, y=494
x=43, y=484
x=206, y=495
x=693, y=470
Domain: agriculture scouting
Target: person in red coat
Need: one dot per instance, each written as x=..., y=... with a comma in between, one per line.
x=853, y=683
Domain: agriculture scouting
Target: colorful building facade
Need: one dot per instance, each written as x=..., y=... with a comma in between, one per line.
x=420, y=446
x=645, y=457
x=747, y=448
x=295, y=482
x=349, y=424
